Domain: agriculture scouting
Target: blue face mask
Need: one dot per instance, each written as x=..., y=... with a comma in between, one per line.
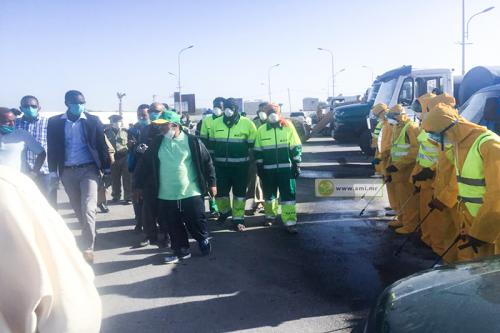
x=154, y=115
x=143, y=122
x=435, y=137
x=76, y=109
x=30, y=112
x=6, y=129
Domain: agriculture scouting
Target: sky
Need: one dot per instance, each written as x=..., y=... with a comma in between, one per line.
x=101, y=47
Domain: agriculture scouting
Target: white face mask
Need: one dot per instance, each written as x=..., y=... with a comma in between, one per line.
x=392, y=122
x=217, y=112
x=262, y=116
x=170, y=134
x=273, y=118
x=228, y=113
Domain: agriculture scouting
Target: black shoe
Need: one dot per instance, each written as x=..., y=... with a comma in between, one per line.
x=223, y=216
x=205, y=247
x=115, y=200
x=138, y=229
x=103, y=208
x=214, y=215
x=126, y=202
x=147, y=241
x=183, y=254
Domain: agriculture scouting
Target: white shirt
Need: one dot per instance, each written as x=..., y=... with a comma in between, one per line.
x=45, y=284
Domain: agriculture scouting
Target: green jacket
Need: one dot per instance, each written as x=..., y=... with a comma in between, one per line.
x=277, y=147
x=231, y=141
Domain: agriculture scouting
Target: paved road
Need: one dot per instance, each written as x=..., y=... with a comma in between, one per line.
x=263, y=280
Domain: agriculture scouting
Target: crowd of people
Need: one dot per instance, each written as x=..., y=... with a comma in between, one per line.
x=159, y=167
x=442, y=175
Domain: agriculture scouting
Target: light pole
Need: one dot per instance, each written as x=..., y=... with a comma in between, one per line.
x=334, y=76
x=269, y=80
x=179, y=75
x=370, y=69
x=120, y=97
x=333, y=70
x=465, y=30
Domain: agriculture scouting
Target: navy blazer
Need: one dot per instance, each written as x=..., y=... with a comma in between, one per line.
x=94, y=134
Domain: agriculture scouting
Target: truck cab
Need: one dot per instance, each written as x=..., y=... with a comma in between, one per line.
x=403, y=86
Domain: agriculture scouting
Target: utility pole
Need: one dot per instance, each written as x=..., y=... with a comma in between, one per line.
x=465, y=30
x=333, y=69
x=179, y=75
x=269, y=80
x=120, y=97
x=289, y=101
x=154, y=98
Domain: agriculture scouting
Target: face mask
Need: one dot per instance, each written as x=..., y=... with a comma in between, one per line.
x=217, y=112
x=392, y=122
x=154, y=115
x=262, y=116
x=6, y=129
x=144, y=122
x=435, y=137
x=76, y=109
x=30, y=112
x=228, y=113
x=169, y=135
x=273, y=118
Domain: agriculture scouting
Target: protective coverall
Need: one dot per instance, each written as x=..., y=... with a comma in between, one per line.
x=402, y=161
x=231, y=138
x=447, y=226
x=278, y=154
x=378, y=111
x=477, y=164
x=206, y=126
x=423, y=174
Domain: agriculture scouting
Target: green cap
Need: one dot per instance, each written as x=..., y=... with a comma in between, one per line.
x=168, y=117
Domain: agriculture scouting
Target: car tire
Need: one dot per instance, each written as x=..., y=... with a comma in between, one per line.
x=365, y=140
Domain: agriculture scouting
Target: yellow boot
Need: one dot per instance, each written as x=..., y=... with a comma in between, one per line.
x=405, y=230
x=395, y=224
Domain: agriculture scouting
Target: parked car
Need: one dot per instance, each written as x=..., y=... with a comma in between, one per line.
x=483, y=108
x=463, y=297
x=302, y=123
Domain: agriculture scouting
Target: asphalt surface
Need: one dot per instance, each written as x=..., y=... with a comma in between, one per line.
x=324, y=279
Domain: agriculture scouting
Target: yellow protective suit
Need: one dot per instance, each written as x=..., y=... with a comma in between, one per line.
x=384, y=154
x=378, y=111
x=447, y=226
x=425, y=194
x=407, y=201
x=486, y=225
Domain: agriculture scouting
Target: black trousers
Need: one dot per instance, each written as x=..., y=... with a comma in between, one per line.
x=178, y=215
x=149, y=216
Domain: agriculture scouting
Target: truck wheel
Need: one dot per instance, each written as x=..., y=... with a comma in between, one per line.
x=365, y=140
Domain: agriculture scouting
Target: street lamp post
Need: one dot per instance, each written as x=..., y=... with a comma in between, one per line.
x=370, y=69
x=333, y=69
x=269, y=80
x=465, y=30
x=120, y=97
x=179, y=75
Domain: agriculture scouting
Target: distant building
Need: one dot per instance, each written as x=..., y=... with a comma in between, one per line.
x=251, y=107
x=188, y=103
x=310, y=103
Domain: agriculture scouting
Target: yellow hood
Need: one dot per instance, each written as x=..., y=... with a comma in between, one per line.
x=424, y=101
x=378, y=109
x=398, y=112
x=441, y=99
x=444, y=115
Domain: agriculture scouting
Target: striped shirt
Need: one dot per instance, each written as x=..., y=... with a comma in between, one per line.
x=37, y=128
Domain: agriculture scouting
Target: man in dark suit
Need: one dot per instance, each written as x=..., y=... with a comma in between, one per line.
x=77, y=154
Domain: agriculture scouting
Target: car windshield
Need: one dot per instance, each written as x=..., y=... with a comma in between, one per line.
x=385, y=92
x=473, y=109
x=374, y=92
